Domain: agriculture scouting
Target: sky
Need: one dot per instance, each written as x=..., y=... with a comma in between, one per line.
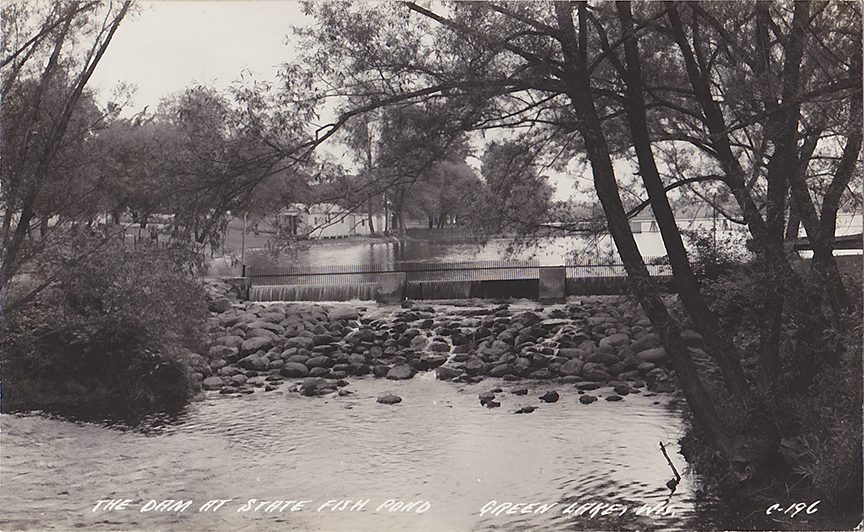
x=170, y=45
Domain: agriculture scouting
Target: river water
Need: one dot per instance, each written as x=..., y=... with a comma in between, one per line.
x=438, y=449
x=549, y=252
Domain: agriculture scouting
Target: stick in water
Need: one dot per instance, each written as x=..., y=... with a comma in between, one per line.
x=672, y=484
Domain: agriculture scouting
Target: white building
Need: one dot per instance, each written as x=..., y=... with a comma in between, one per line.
x=326, y=220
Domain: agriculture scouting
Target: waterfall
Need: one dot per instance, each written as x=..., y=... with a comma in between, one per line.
x=313, y=292
x=439, y=290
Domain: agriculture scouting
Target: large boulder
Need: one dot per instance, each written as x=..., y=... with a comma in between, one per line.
x=219, y=305
x=571, y=367
x=231, y=340
x=446, y=373
x=475, y=366
x=261, y=333
x=343, y=314
x=649, y=341
x=615, y=340
x=212, y=383
x=570, y=352
x=294, y=370
x=654, y=355
x=389, y=399
x=266, y=325
x=255, y=344
x=300, y=342
x=400, y=372
x=255, y=362
x=595, y=372
x=222, y=351
x=500, y=370
x=600, y=357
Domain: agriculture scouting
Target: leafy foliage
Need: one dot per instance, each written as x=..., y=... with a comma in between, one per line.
x=121, y=324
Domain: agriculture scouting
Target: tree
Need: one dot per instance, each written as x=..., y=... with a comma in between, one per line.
x=759, y=81
x=516, y=198
x=47, y=114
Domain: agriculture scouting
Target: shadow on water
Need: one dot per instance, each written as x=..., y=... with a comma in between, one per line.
x=123, y=420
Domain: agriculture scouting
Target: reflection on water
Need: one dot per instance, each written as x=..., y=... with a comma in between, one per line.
x=437, y=447
x=332, y=252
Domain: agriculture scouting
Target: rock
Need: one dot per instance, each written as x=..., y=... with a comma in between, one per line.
x=238, y=379
x=267, y=326
x=219, y=305
x=294, y=370
x=649, y=341
x=445, y=373
x=657, y=374
x=300, y=342
x=550, y=397
x=343, y=314
x=571, y=367
x=526, y=410
x=475, y=366
x=254, y=362
x=493, y=404
x=692, y=338
x=654, y=355
x=212, y=383
x=594, y=372
x=485, y=397
x=311, y=386
x=389, y=399
x=439, y=347
x=645, y=367
x=615, y=340
x=587, y=399
x=380, y=370
x=622, y=388
x=255, y=344
x=320, y=361
x=261, y=333
x=256, y=382
x=588, y=386
x=319, y=371
x=607, y=359
x=527, y=319
x=222, y=351
x=500, y=370
x=400, y=372
x=520, y=391
x=614, y=398
x=570, y=352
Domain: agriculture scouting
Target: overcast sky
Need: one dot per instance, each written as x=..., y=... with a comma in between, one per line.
x=170, y=45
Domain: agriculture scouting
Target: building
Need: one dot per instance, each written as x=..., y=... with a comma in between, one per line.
x=326, y=220
x=706, y=220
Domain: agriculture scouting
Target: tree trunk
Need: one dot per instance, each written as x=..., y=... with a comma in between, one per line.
x=641, y=284
x=723, y=350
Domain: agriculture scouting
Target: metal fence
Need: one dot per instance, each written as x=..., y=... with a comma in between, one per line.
x=421, y=272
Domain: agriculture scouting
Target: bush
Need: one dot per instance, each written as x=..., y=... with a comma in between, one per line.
x=111, y=335
x=816, y=397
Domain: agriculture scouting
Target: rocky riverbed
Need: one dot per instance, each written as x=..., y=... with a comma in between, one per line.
x=589, y=342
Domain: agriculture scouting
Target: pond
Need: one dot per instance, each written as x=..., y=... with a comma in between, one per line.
x=550, y=252
x=436, y=461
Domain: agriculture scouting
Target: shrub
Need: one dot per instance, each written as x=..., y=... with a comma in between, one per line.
x=110, y=335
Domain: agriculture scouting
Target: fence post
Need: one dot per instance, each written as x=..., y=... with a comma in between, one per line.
x=391, y=287
x=553, y=284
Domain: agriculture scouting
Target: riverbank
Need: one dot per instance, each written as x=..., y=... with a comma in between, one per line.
x=590, y=343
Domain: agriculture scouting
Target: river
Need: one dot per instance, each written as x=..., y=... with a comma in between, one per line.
x=438, y=449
